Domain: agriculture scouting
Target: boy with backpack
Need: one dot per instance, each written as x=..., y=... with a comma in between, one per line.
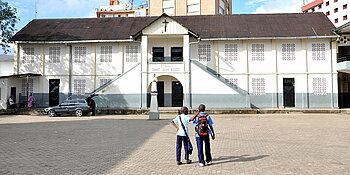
x=202, y=122
x=181, y=125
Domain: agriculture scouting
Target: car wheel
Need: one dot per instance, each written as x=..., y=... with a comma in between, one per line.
x=52, y=113
x=78, y=112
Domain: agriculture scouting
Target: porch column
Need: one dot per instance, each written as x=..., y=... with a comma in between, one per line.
x=186, y=60
x=144, y=71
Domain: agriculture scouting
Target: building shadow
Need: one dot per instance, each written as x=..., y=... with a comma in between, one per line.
x=72, y=147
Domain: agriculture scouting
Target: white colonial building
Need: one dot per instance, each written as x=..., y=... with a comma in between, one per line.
x=232, y=61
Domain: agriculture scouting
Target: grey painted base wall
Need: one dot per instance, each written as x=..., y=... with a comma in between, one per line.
x=210, y=100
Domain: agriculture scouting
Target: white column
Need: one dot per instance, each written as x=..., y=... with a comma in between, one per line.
x=144, y=71
x=186, y=60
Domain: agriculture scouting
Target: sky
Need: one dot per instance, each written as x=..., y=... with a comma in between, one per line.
x=87, y=8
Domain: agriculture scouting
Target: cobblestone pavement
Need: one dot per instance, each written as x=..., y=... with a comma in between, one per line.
x=245, y=144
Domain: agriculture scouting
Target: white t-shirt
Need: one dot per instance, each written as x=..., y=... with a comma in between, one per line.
x=185, y=119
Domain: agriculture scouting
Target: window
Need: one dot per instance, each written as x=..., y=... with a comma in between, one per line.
x=313, y=9
x=158, y=54
x=345, y=17
x=318, y=51
x=79, y=87
x=320, y=6
x=345, y=6
x=116, y=16
x=231, y=52
x=104, y=81
x=28, y=55
x=327, y=13
x=232, y=81
x=193, y=8
x=169, y=11
x=54, y=54
x=106, y=54
x=288, y=52
x=335, y=0
x=168, y=7
x=131, y=53
x=204, y=52
x=24, y=86
x=327, y=3
x=176, y=54
x=335, y=10
x=336, y=20
x=79, y=54
x=319, y=86
x=258, y=85
x=258, y=52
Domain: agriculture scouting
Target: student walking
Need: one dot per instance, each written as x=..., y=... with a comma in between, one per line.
x=181, y=125
x=202, y=122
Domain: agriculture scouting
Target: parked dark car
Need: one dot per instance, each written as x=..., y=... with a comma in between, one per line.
x=77, y=107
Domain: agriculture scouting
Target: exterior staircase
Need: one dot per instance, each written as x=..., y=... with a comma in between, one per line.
x=102, y=87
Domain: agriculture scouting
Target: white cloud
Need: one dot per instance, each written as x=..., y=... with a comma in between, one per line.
x=253, y=3
x=280, y=6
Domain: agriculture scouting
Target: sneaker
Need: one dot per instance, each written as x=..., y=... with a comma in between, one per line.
x=188, y=161
x=179, y=163
x=201, y=164
x=209, y=163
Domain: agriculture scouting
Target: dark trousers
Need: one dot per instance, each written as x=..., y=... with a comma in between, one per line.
x=200, y=141
x=179, y=141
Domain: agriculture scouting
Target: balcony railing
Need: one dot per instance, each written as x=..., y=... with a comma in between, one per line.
x=343, y=58
x=167, y=59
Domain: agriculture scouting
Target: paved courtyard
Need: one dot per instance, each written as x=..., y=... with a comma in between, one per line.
x=245, y=144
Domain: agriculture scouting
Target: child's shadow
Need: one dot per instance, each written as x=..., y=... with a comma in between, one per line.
x=242, y=158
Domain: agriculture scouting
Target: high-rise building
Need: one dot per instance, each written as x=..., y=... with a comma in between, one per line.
x=190, y=7
x=126, y=8
x=336, y=10
x=123, y=8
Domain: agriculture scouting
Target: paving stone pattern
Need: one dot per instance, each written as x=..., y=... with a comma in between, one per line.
x=245, y=144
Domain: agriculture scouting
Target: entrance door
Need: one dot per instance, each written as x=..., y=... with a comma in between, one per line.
x=13, y=92
x=160, y=97
x=54, y=85
x=288, y=92
x=177, y=94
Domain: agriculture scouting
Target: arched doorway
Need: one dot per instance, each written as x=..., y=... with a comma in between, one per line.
x=170, y=92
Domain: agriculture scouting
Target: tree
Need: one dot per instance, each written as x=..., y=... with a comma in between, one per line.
x=8, y=19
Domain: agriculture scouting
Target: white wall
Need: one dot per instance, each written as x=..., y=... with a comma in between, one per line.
x=30, y=67
x=55, y=68
x=109, y=68
x=319, y=66
x=194, y=54
x=129, y=65
x=6, y=68
x=269, y=63
x=239, y=66
x=291, y=66
x=82, y=68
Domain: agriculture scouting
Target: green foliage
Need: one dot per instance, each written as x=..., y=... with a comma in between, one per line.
x=8, y=19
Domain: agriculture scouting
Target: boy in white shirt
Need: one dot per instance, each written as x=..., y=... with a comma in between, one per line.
x=181, y=135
